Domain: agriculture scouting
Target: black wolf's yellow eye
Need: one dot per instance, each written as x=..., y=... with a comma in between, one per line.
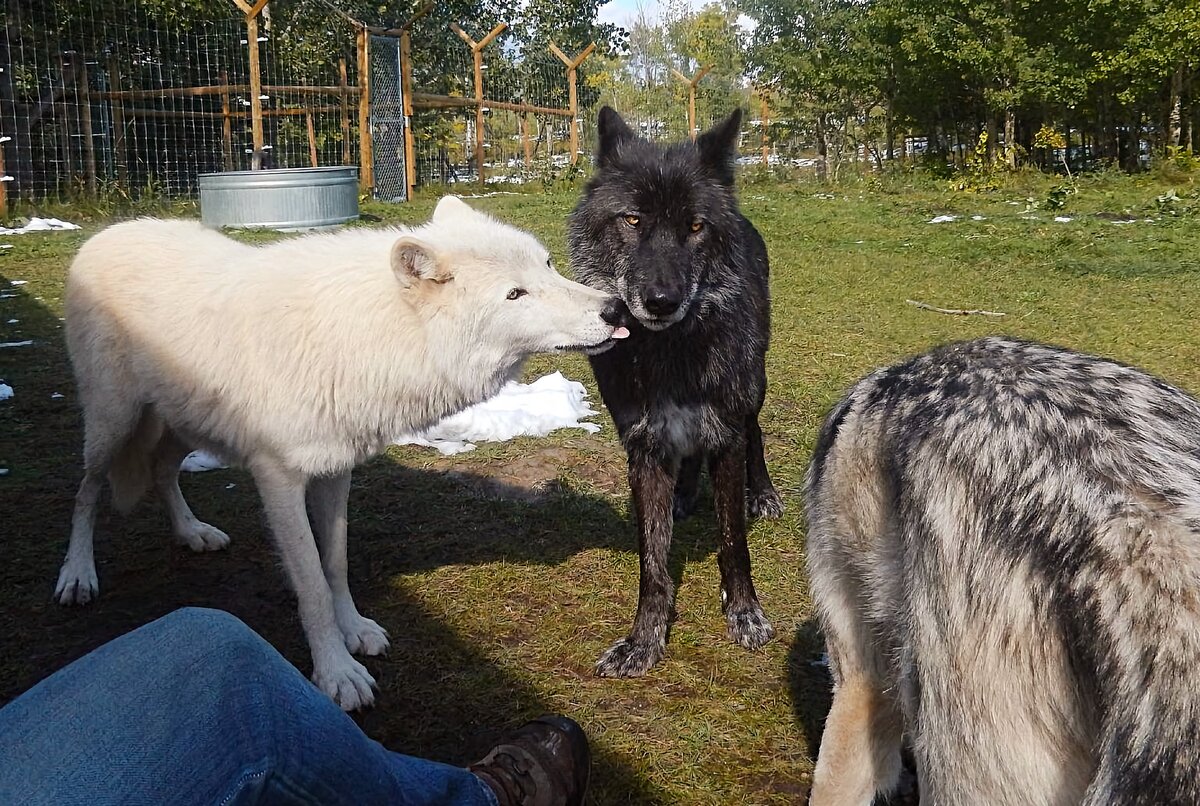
x=697, y=226
x=517, y=293
x=633, y=220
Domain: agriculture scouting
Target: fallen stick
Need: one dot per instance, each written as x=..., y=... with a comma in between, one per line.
x=953, y=311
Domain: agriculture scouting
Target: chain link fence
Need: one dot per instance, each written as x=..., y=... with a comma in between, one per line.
x=133, y=104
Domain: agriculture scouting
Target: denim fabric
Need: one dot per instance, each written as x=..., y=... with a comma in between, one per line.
x=196, y=708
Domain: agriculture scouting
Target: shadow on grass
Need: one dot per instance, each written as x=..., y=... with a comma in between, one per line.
x=441, y=696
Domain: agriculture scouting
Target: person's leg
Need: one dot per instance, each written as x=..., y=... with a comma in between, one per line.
x=196, y=708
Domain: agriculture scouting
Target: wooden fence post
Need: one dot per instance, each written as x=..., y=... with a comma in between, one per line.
x=366, y=177
x=117, y=108
x=477, y=57
x=256, y=111
x=526, y=146
x=345, y=103
x=410, y=151
x=572, y=91
x=85, y=124
x=312, y=137
x=692, y=82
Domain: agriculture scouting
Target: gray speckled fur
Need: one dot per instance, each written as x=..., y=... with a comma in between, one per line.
x=1004, y=545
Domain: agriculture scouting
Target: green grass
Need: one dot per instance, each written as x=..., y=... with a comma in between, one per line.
x=498, y=604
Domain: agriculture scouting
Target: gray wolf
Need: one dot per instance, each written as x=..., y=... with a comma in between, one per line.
x=298, y=360
x=659, y=226
x=1004, y=550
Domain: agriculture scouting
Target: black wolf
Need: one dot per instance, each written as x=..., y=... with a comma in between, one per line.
x=1004, y=546
x=659, y=227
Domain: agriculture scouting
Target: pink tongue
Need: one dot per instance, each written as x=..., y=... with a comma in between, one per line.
x=620, y=333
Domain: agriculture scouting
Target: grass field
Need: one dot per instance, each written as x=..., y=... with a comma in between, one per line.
x=502, y=574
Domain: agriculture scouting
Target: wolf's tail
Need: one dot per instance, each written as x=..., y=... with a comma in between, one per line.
x=132, y=470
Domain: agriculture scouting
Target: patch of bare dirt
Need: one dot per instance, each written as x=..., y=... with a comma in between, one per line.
x=539, y=474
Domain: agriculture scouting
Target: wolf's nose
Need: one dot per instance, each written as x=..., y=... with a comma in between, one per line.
x=614, y=311
x=661, y=302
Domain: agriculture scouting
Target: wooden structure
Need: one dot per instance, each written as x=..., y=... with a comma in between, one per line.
x=572, y=90
x=480, y=107
x=692, y=83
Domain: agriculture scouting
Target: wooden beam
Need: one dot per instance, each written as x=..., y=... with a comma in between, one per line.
x=692, y=82
x=342, y=84
x=410, y=151
x=3, y=186
x=573, y=91
x=312, y=137
x=84, y=95
x=366, y=179
x=118, y=120
x=257, y=8
x=256, y=116
x=420, y=12
x=243, y=5
x=477, y=63
x=226, y=128
x=765, y=119
x=424, y=100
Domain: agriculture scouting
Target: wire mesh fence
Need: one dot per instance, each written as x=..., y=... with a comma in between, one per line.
x=139, y=100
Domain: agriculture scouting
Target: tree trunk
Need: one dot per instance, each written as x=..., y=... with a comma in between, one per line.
x=993, y=138
x=1175, y=109
x=889, y=128
x=822, y=149
x=1010, y=137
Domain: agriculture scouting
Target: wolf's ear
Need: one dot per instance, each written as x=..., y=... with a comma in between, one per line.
x=452, y=207
x=718, y=147
x=414, y=260
x=612, y=131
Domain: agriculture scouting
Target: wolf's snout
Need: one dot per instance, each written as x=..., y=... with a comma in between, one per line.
x=614, y=312
x=662, y=300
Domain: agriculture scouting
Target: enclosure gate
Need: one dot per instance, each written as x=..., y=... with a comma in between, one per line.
x=387, y=120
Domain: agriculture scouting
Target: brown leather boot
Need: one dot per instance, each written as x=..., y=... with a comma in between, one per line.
x=544, y=763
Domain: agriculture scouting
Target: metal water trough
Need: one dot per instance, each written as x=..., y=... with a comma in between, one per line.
x=283, y=198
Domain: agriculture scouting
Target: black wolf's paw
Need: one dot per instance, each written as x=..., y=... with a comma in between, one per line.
x=629, y=658
x=767, y=505
x=748, y=626
x=684, y=505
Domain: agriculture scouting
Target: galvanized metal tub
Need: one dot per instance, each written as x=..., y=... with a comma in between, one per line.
x=282, y=198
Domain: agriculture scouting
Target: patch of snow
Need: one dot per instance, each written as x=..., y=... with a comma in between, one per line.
x=18, y=282
x=3, y=471
x=549, y=403
x=6, y=391
x=1063, y=219
x=1029, y=218
x=6, y=246
x=492, y=193
x=25, y=343
x=942, y=219
x=978, y=218
x=9, y=296
x=199, y=461
x=56, y=396
x=13, y=321
x=40, y=225
x=230, y=486
x=1125, y=221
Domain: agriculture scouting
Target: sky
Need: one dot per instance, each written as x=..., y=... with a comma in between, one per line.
x=621, y=12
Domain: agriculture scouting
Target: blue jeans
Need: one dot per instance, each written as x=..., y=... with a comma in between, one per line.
x=196, y=708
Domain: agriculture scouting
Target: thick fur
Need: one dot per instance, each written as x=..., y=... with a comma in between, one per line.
x=1004, y=546
x=660, y=227
x=298, y=360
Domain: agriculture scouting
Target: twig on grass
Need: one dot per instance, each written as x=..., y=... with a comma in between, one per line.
x=953, y=311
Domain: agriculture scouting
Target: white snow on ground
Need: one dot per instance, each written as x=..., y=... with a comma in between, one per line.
x=25, y=343
x=978, y=218
x=942, y=219
x=535, y=409
x=39, y=225
x=6, y=391
x=199, y=461
x=549, y=403
x=1063, y=219
x=17, y=282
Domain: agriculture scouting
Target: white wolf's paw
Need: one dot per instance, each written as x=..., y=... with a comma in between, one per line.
x=77, y=583
x=629, y=658
x=364, y=636
x=766, y=504
x=347, y=682
x=748, y=626
x=199, y=536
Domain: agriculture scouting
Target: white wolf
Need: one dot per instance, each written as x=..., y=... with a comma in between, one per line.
x=299, y=360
